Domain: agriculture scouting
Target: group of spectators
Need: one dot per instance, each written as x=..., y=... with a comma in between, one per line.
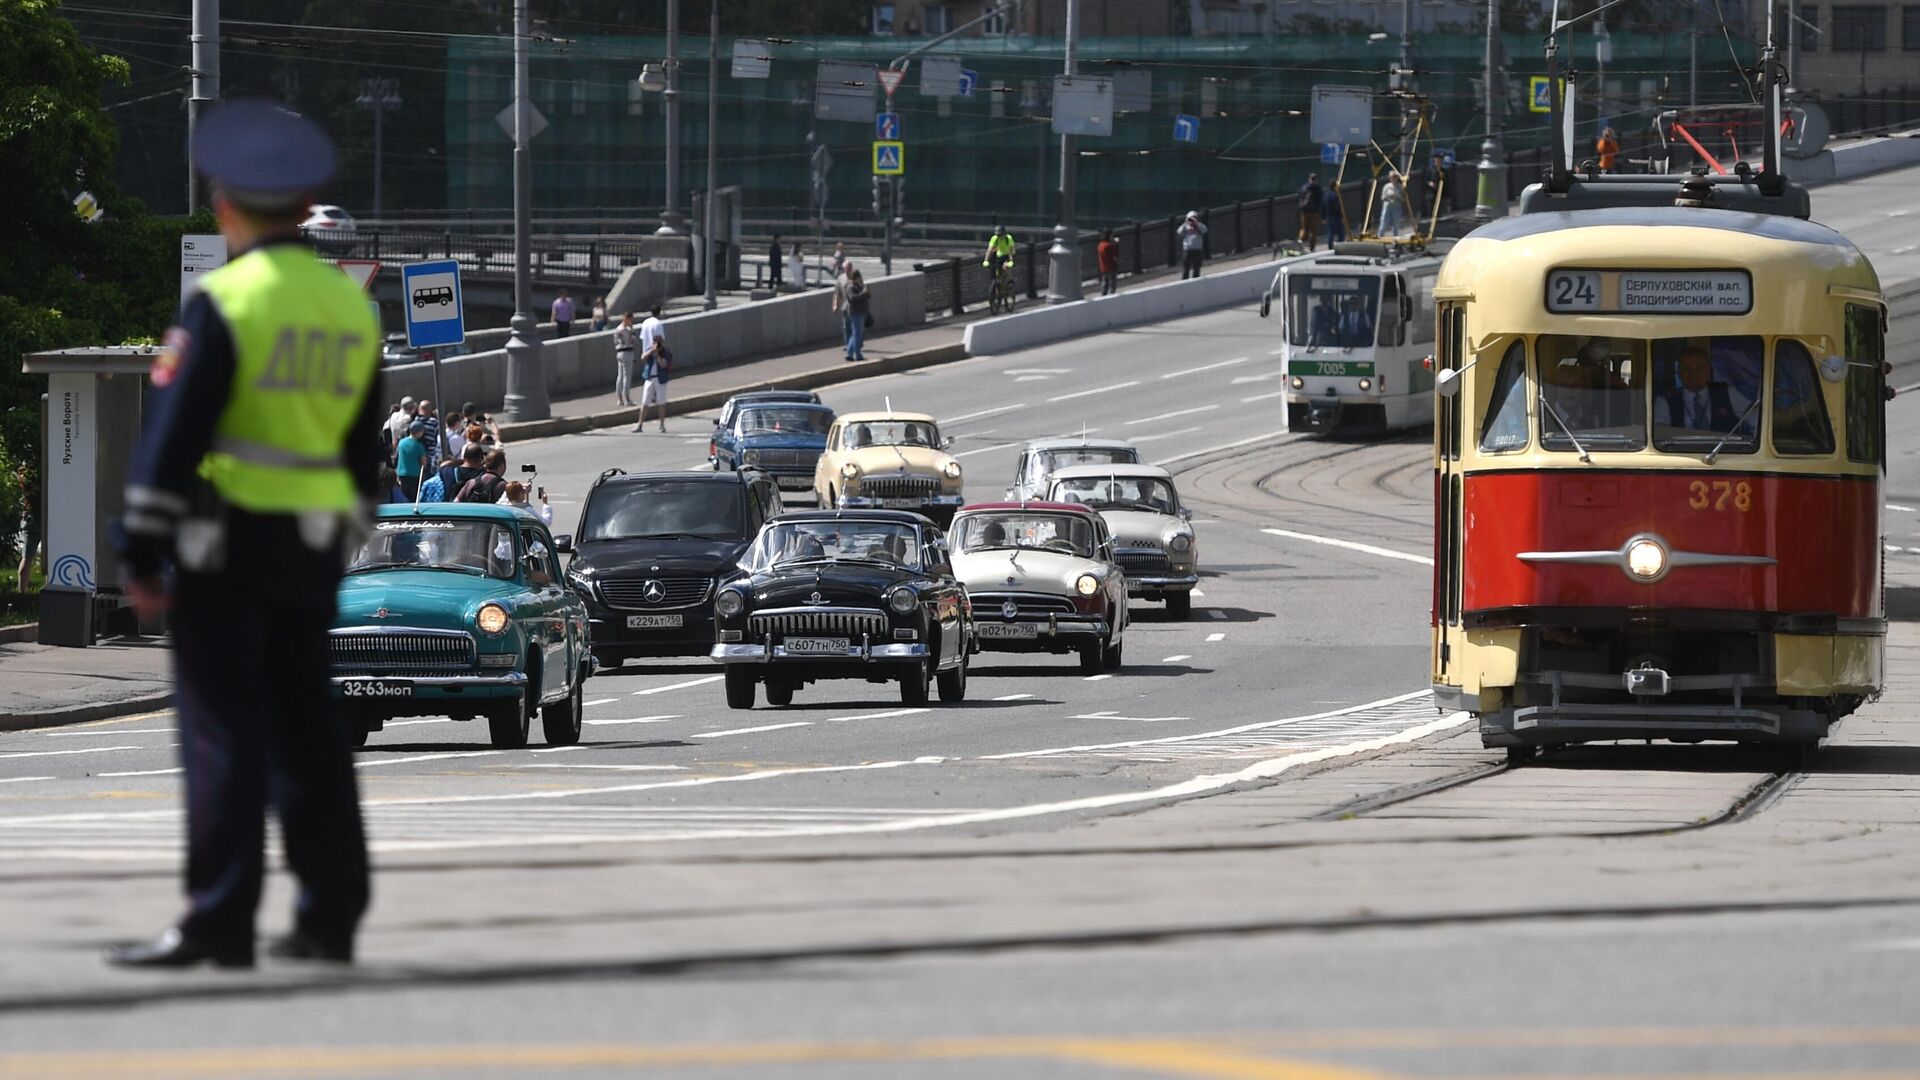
x=649, y=342
x=563, y=312
x=460, y=462
x=1324, y=214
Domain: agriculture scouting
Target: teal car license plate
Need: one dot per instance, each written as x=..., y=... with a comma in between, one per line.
x=1331, y=368
x=377, y=688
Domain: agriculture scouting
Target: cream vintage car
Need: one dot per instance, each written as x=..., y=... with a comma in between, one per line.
x=1041, y=578
x=888, y=460
x=1152, y=533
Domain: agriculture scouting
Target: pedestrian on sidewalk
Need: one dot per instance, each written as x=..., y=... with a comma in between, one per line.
x=656, y=360
x=253, y=491
x=515, y=495
x=490, y=484
x=397, y=424
x=1336, y=214
x=839, y=263
x=855, y=305
x=796, y=268
x=599, y=316
x=430, y=419
x=1109, y=253
x=1193, y=245
x=1310, y=200
x=454, y=474
x=562, y=314
x=390, y=487
x=411, y=458
x=775, y=267
x=624, y=337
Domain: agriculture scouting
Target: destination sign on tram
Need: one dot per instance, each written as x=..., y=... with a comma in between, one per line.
x=1649, y=292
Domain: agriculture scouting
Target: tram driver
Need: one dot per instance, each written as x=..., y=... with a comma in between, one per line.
x=1701, y=402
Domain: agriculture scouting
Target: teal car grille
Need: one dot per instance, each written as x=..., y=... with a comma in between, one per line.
x=401, y=651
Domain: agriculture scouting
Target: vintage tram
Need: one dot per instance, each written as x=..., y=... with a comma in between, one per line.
x=1658, y=459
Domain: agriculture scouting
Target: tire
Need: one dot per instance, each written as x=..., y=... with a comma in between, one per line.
x=509, y=722
x=560, y=722
x=739, y=688
x=358, y=732
x=1090, y=657
x=953, y=682
x=1110, y=656
x=913, y=685
x=779, y=694
x=1179, y=605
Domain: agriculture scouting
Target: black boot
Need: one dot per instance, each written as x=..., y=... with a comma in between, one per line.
x=174, y=949
x=301, y=945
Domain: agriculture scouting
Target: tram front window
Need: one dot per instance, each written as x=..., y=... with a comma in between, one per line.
x=1337, y=311
x=1592, y=393
x=1706, y=394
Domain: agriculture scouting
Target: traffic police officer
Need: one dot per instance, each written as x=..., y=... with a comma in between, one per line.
x=260, y=450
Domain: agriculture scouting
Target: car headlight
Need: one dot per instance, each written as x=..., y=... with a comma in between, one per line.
x=729, y=603
x=1366, y=385
x=1298, y=383
x=750, y=457
x=1646, y=559
x=1087, y=584
x=952, y=470
x=1180, y=542
x=492, y=618
x=902, y=600
x=849, y=470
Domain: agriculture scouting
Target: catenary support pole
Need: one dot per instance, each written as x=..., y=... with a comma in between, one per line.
x=671, y=221
x=1063, y=279
x=708, y=270
x=526, y=397
x=204, y=40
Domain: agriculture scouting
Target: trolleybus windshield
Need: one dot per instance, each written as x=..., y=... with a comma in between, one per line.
x=1332, y=310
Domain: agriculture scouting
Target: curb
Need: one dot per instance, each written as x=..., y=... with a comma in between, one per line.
x=29, y=632
x=80, y=714
x=803, y=380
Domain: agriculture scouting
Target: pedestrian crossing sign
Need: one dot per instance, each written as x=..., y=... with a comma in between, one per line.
x=889, y=157
x=1539, y=94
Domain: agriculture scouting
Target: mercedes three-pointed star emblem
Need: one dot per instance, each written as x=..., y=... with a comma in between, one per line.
x=653, y=592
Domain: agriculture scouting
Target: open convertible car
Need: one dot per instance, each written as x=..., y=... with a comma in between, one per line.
x=457, y=609
x=1042, y=579
x=844, y=595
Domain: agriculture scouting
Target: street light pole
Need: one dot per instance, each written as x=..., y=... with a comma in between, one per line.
x=526, y=397
x=204, y=40
x=713, y=151
x=1492, y=200
x=671, y=223
x=380, y=96
x=1063, y=279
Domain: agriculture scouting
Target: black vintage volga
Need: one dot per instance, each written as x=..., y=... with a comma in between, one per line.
x=796, y=622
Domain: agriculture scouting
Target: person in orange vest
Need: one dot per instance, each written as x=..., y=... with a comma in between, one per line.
x=1607, y=146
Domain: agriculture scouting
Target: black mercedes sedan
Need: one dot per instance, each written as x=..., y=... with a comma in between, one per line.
x=650, y=549
x=844, y=594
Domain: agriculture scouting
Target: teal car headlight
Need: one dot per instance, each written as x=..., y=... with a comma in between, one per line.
x=492, y=619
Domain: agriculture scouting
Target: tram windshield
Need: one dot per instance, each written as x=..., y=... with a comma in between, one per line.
x=1592, y=392
x=1332, y=310
x=1696, y=395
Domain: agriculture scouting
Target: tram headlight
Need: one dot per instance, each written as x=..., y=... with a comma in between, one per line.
x=1646, y=559
x=1298, y=383
x=1366, y=385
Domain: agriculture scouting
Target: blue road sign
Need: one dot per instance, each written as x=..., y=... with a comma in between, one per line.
x=886, y=125
x=889, y=159
x=968, y=80
x=1539, y=94
x=1331, y=153
x=1186, y=128
x=430, y=298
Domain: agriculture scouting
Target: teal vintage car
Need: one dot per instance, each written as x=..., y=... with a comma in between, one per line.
x=461, y=610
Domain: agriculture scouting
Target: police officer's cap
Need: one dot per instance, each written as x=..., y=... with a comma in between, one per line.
x=264, y=157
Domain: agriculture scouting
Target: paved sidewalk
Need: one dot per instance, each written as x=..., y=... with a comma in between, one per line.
x=45, y=685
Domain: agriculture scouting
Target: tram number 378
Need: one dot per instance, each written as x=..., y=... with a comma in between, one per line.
x=1719, y=494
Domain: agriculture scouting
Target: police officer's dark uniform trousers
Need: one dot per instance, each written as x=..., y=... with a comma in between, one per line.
x=261, y=443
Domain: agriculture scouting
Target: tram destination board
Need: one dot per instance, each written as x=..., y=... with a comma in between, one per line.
x=1649, y=292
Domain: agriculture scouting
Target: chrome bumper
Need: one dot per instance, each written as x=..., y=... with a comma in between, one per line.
x=1162, y=584
x=1054, y=626
x=761, y=654
x=857, y=502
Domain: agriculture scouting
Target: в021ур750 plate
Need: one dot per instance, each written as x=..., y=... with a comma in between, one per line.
x=1006, y=630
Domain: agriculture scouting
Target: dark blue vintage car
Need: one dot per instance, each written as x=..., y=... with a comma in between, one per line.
x=782, y=439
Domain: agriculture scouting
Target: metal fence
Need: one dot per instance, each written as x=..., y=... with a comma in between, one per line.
x=556, y=261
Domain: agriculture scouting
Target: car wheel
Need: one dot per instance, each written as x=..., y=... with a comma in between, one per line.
x=779, y=693
x=560, y=722
x=1110, y=656
x=739, y=688
x=953, y=682
x=358, y=729
x=913, y=684
x=1090, y=655
x=1179, y=605
x=509, y=722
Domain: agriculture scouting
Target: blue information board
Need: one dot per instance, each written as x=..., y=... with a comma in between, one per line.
x=1186, y=128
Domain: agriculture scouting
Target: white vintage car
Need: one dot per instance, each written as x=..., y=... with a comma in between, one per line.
x=891, y=461
x=1153, y=534
x=1042, y=578
x=1033, y=473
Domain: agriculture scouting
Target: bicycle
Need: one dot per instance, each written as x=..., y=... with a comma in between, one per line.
x=1002, y=296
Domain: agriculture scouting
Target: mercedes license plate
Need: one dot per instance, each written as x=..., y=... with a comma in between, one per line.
x=793, y=483
x=816, y=646
x=377, y=688
x=1007, y=630
x=653, y=622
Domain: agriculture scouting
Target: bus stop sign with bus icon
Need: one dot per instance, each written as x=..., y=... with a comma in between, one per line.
x=430, y=299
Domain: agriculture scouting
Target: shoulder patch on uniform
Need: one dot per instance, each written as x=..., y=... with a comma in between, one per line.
x=173, y=352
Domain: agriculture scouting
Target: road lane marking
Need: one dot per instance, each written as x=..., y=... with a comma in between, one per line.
x=109, y=733
x=1037, y=371
x=874, y=716
x=1166, y=434
x=1236, y=444
x=410, y=723
x=1171, y=415
x=1097, y=678
x=1207, y=367
x=598, y=701
x=1197, y=594
x=1014, y=697
x=66, y=753
x=678, y=685
x=1115, y=715
x=1095, y=390
x=1282, y=351
x=984, y=449
x=592, y=765
x=22, y=779
x=1216, y=637
x=749, y=730
x=983, y=413
x=424, y=757
x=1351, y=545
x=639, y=720
x=1176, y=658
x=1242, y=729
x=557, y=749
x=1263, y=397
x=1902, y=509
x=144, y=772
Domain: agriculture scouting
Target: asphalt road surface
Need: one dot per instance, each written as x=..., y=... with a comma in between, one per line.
x=1228, y=859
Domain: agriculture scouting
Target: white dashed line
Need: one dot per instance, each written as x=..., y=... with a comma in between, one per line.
x=1277, y=352
x=144, y=772
x=1263, y=397
x=638, y=720
x=983, y=414
x=749, y=730
x=1369, y=549
x=1176, y=658
x=1096, y=678
x=1207, y=367
x=1197, y=594
x=1095, y=390
x=614, y=768
x=1171, y=415
x=1166, y=434
x=678, y=685
x=985, y=449
x=874, y=716
x=556, y=750
x=430, y=720
x=1014, y=697
x=66, y=753
x=1111, y=715
x=23, y=779
x=424, y=757
x=1216, y=637
x=108, y=732
x=1902, y=509
x=598, y=701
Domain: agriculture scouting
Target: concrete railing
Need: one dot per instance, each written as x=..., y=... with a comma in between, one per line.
x=1848, y=160
x=1153, y=304
x=583, y=363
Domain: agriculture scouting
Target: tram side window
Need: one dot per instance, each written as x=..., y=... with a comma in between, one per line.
x=1392, y=329
x=1800, y=424
x=1592, y=392
x=1866, y=403
x=1707, y=393
x=1506, y=424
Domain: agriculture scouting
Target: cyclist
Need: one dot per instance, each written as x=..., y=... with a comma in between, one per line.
x=999, y=251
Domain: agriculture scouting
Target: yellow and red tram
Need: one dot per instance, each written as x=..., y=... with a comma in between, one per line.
x=1658, y=459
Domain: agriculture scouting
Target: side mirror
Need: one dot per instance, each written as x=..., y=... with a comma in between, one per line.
x=1266, y=305
x=946, y=443
x=1833, y=368
x=1186, y=513
x=1447, y=383
x=563, y=544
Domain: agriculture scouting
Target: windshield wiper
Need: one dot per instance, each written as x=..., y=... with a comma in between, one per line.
x=1568, y=428
x=1714, y=454
x=359, y=568
x=664, y=536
